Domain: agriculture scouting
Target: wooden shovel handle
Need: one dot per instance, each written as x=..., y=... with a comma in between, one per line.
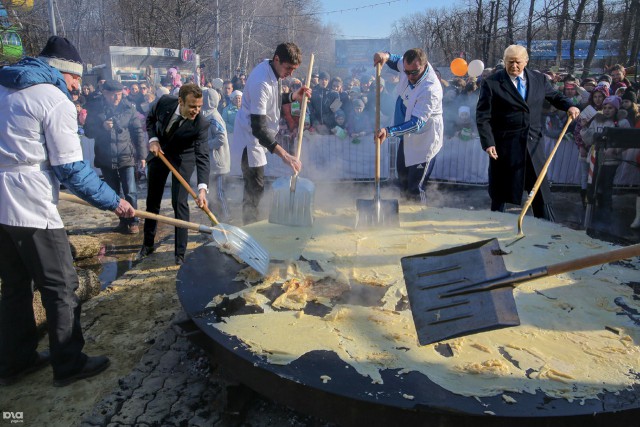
x=303, y=110
x=143, y=214
x=186, y=185
x=377, y=127
x=541, y=175
x=591, y=260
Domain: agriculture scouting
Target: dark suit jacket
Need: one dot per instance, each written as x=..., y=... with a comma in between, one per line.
x=514, y=125
x=189, y=141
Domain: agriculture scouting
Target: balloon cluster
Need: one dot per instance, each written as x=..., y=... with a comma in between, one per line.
x=459, y=67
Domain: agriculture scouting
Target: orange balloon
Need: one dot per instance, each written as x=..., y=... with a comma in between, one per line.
x=459, y=67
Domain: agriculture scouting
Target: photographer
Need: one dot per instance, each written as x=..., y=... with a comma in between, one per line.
x=119, y=145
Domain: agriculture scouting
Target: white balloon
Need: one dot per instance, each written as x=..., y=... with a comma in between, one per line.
x=476, y=67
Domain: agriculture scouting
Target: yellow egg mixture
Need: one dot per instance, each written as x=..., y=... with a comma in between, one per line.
x=573, y=342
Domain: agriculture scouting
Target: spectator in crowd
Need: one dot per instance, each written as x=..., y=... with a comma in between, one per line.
x=174, y=80
x=82, y=116
x=119, y=146
x=509, y=120
x=417, y=120
x=588, y=85
x=570, y=92
x=361, y=123
x=464, y=125
x=618, y=78
x=239, y=81
x=230, y=111
x=291, y=111
x=219, y=152
x=34, y=248
x=176, y=128
x=340, y=129
x=315, y=79
x=629, y=103
x=258, y=121
x=225, y=100
x=322, y=116
x=612, y=156
x=596, y=99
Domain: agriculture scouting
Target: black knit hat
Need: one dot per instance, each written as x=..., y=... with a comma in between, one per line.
x=112, y=86
x=61, y=54
x=630, y=95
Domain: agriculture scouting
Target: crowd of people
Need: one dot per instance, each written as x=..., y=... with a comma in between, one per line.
x=345, y=107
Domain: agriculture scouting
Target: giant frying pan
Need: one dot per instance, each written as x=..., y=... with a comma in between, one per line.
x=350, y=399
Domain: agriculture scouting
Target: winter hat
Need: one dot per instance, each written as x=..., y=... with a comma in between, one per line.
x=588, y=81
x=358, y=104
x=61, y=54
x=340, y=113
x=603, y=89
x=112, y=86
x=605, y=84
x=324, y=75
x=605, y=78
x=217, y=83
x=235, y=93
x=630, y=95
x=464, y=109
x=613, y=101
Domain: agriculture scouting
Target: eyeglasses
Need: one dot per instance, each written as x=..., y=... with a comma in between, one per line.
x=412, y=72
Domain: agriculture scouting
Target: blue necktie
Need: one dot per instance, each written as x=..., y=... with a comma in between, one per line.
x=521, y=88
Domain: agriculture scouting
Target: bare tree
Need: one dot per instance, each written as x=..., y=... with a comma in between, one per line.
x=594, y=39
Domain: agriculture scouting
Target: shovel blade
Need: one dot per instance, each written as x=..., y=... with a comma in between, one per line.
x=236, y=241
x=428, y=276
x=373, y=213
x=293, y=208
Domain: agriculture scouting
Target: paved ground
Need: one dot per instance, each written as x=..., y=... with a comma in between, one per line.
x=175, y=383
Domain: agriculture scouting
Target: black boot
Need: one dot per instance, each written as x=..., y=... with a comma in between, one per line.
x=583, y=197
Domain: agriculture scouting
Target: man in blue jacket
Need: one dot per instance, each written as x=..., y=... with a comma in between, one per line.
x=39, y=149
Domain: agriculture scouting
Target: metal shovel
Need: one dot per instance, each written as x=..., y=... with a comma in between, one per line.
x=231, y=238
x=293, y=197
x=377, y=211
x=228, y=237
x=538, y=183
x=467, y=289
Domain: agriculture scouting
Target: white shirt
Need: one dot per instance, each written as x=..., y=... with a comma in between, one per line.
x=523, y=81
x=39, y=128
x=260, y=96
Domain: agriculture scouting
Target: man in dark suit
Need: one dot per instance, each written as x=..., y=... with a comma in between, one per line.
x=177, y=129
x=509, y=118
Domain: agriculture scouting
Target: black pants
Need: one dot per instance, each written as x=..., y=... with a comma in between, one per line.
x=31, y=256
x=538, y=203
x=156, y=179
x=409, y=177
x=253, y=189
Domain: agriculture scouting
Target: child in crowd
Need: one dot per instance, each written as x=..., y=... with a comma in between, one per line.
x=230, y=111
x=339, y=129
x=630, y=105
x=360, y=124
x=612, y=157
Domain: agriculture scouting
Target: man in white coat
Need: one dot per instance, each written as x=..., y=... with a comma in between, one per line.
x=257, y=122
x=418, y=119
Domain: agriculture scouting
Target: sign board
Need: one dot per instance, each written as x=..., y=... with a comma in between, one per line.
x=186, y=55
x=358, y=53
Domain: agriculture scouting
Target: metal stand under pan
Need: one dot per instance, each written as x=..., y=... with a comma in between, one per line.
x=350, y=399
